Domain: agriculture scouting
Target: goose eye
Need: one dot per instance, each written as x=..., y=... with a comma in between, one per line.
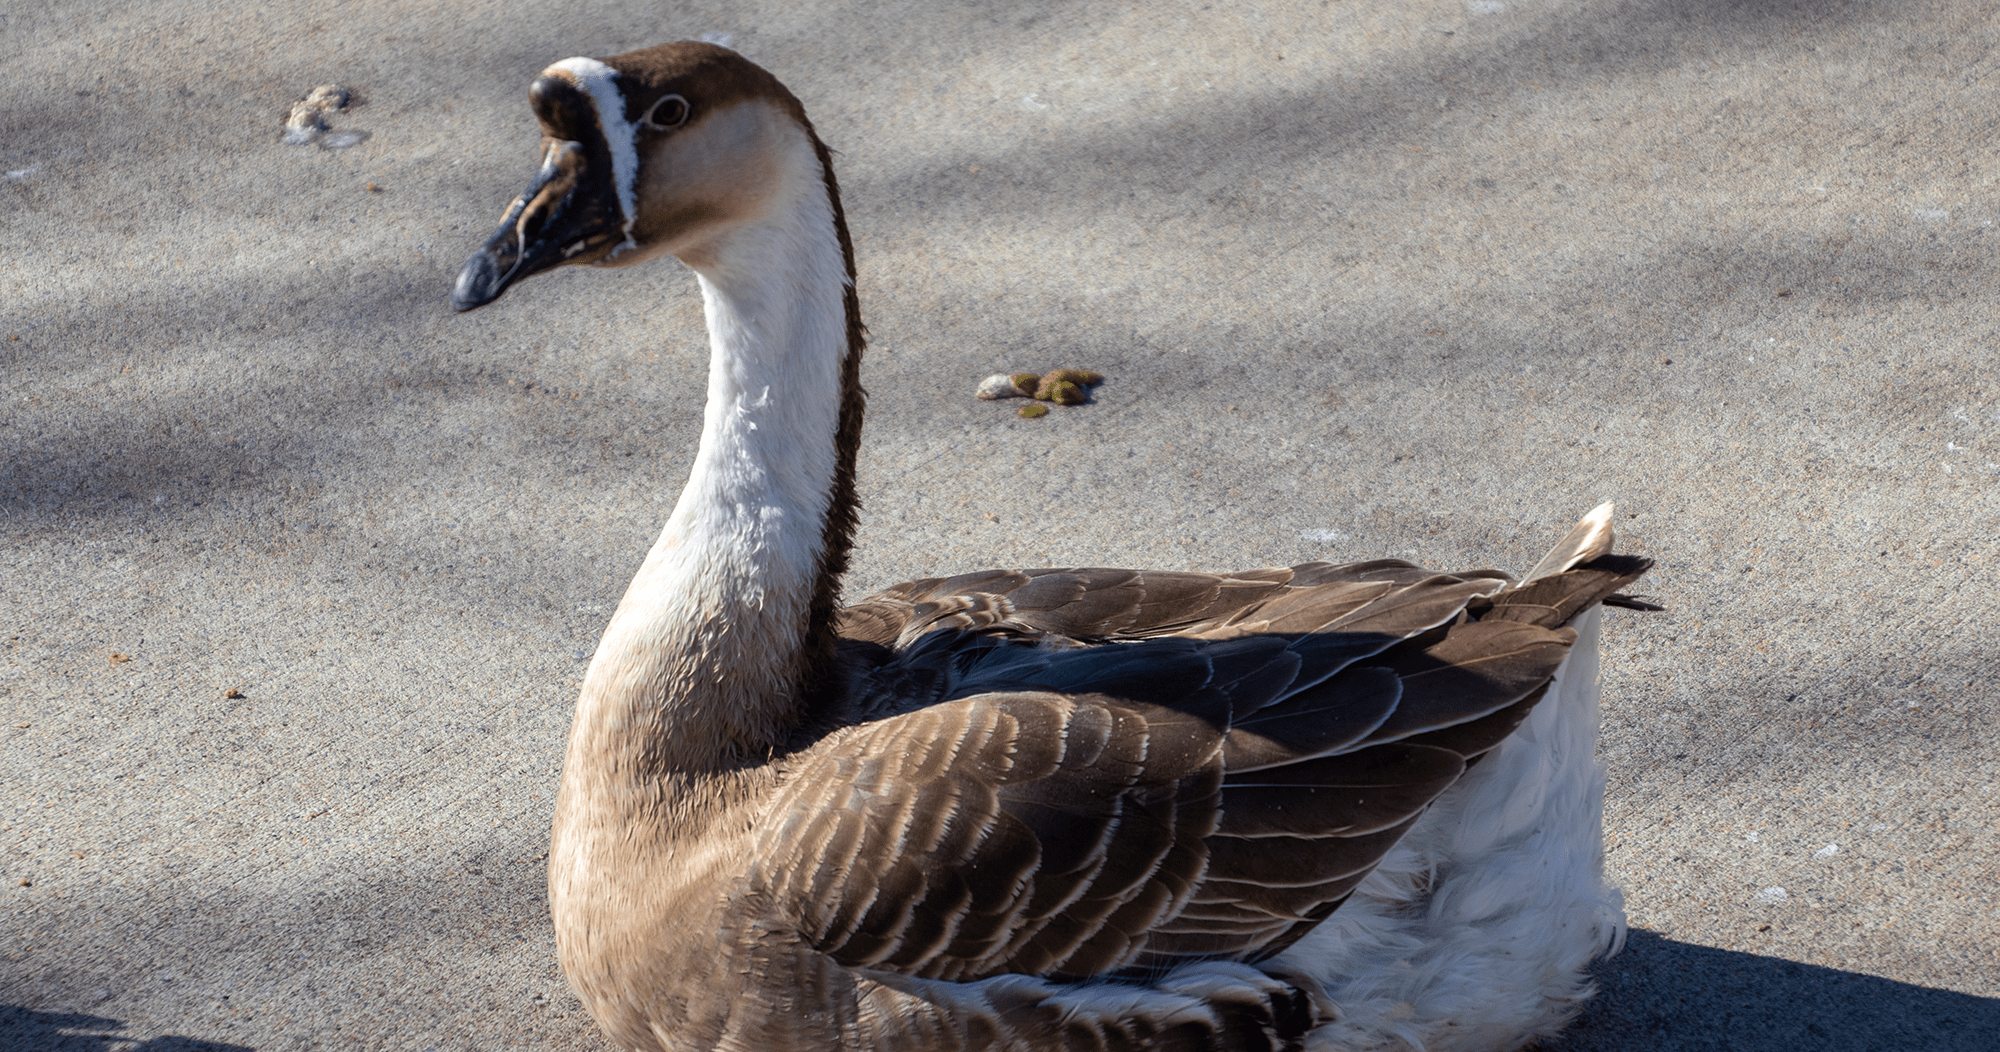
x=668, y=113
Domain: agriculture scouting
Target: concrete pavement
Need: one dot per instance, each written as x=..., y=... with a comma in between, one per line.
x=304, y=569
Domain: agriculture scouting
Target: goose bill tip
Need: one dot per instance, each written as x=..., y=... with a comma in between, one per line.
x=570, y=214
x=479, y=283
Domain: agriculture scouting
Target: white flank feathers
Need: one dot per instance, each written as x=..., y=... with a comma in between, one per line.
x=1514, y=855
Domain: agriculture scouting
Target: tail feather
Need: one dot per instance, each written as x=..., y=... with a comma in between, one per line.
x=1588, y=539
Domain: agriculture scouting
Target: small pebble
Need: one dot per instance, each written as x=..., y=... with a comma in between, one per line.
x=119, y=659
x=232, y=693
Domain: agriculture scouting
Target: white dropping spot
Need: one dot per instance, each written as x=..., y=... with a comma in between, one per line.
x=1959, y=414
x=1828, y=851
x=999, y=385
x=1485, y=7
x=1773, y=894
x=1910, y=703
x=1931, y=213
x=1953, y=447
x=1770, y=339
x=716, y=38
x=1322, y=536
x=23, y=173
x=159, y=498
x=1878, y=827
x=1033, y=104
x=1751, y=837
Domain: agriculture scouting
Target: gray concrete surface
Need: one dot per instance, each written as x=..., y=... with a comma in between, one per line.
x=1425, y=279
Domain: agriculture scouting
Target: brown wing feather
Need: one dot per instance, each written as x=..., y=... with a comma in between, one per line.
x=1048, y=816
x=1014, y=806
x=1077, y=604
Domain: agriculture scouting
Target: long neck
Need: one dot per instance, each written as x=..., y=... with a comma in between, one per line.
x=723, y=644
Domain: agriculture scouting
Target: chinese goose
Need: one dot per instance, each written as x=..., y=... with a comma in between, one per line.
x=1325, y=806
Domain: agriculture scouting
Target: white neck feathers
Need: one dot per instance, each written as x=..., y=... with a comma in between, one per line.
x=701, y=664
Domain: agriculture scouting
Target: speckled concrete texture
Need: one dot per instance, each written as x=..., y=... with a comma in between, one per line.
x=302, y=569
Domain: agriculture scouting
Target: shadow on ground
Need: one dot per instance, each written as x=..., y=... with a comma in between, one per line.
x=25, y=1029
x=1669, y=996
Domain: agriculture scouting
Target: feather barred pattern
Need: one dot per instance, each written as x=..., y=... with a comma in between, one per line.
x=1059, y=813
x=1004, y=801
x=1055, y=812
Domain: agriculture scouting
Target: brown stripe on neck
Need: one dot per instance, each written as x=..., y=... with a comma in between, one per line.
x=822, y=682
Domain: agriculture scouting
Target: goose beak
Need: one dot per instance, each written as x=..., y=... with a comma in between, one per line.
x=569, y=214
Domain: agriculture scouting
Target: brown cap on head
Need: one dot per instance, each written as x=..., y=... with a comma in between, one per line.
x=709, y=76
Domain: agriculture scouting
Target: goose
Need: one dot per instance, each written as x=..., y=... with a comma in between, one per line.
x=1323, y=806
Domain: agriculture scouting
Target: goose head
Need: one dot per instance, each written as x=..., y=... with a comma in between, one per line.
x=664, y=151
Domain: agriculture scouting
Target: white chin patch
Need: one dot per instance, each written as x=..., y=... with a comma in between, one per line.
x=601, y=81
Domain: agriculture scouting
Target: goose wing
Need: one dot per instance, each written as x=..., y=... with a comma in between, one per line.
x=1082, y=604
x=1123, y=807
